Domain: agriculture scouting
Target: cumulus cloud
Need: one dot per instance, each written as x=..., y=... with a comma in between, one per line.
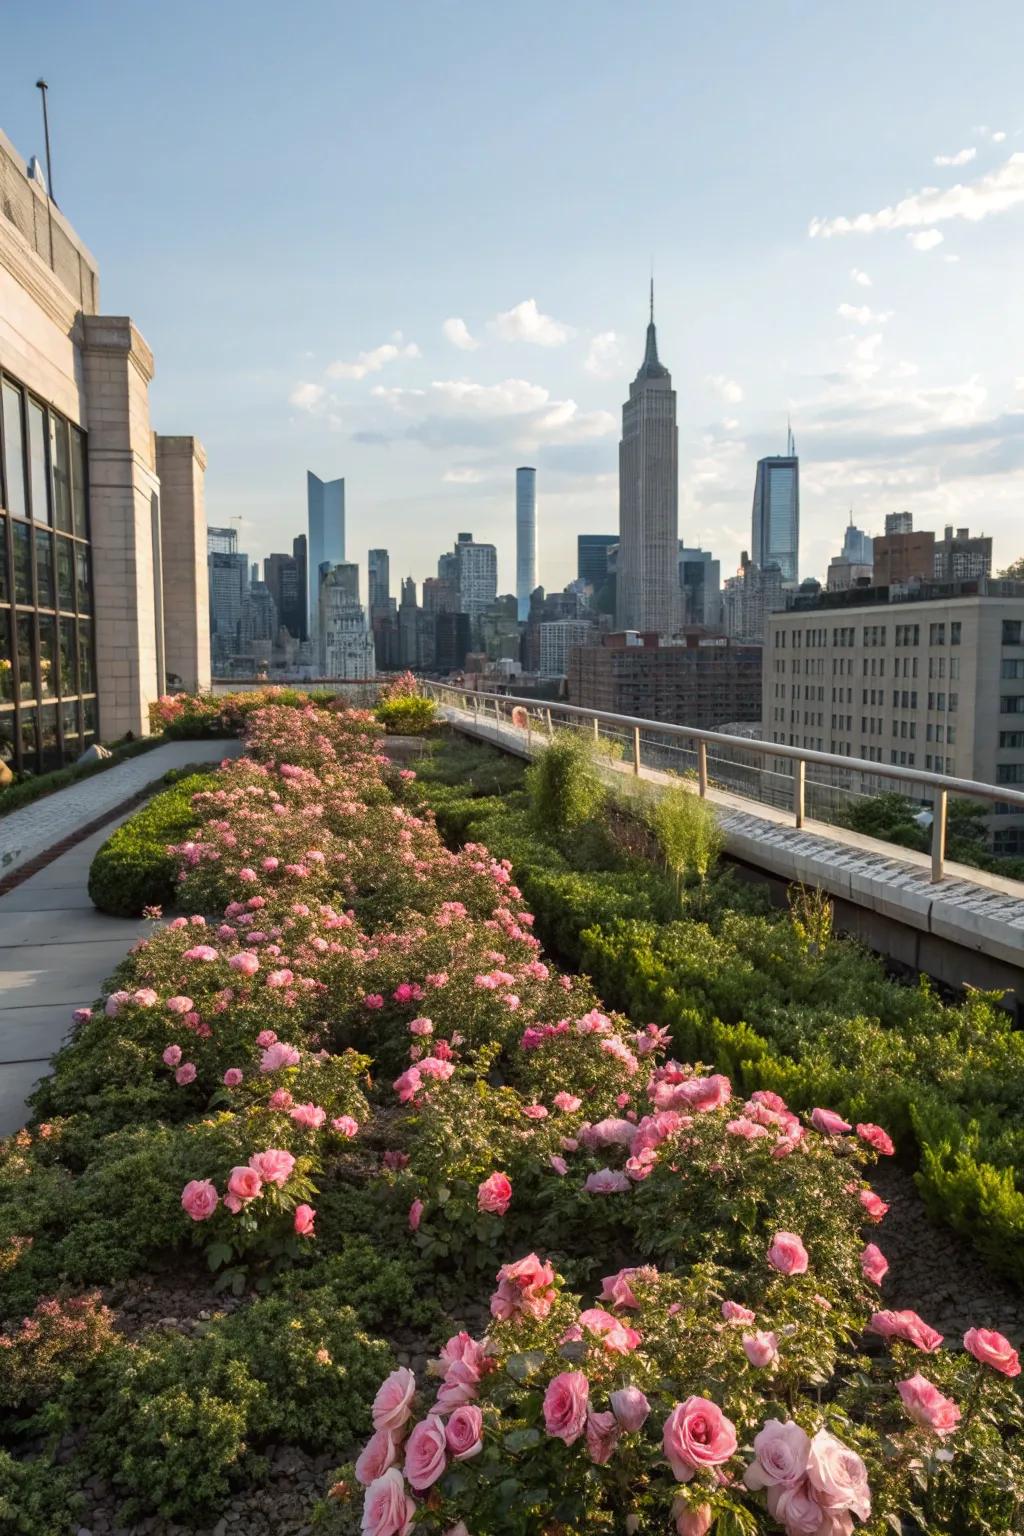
x=306, y=397
x=861, y=314
x=604, y=355
x=992, y=193
x=463, y=474
x=460, y=413
x=860, y=277
x=457, y=332
x=526, y=323
x=962, y=157
x=373, y=361
x=926, y=239
x=724, y=388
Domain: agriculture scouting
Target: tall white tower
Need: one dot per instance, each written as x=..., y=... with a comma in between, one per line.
x=526, y=539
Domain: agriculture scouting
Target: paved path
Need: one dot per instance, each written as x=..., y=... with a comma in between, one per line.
x=56, y=950
x=27, y=833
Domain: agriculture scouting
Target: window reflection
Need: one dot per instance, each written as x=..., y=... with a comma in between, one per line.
x=44, y=569
x=67, y=657
x=49, y=741
x=47, y=657
x=61, y=461
x=26, y=657
x=37, y=462
x=22, y=535
x=66, y=574
x=14, y=451
x=6, y=664
x=82, y=579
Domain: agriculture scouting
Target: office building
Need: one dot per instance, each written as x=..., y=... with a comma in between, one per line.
x=409, y=627
x=931, y=679
x=222, y=541
x=285, y=577
x=378, y=573
x=858, y=546
x=900, y=555
x=961, y=557
x=557, y=639
x=592, y=551
x=103, y=572
x=775, y=519
x=346, y=649
x=451, y=643
x=526, y=539
x=325, y=500
x=648, y=595
x=476, y=575
x=439, y=596
x=705, y=682
x=701, y=584
x=228, y=585
x=748, y=597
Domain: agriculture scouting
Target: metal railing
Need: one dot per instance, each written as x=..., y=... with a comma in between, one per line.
x=634, y=733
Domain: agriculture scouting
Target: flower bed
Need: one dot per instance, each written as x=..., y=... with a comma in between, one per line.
x=349, y=1088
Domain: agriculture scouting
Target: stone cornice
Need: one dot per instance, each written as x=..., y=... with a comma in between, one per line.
x=31, y=273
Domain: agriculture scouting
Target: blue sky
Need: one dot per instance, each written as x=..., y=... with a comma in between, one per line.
x=296, y=204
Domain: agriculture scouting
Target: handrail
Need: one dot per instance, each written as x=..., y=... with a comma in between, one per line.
x=943, y=784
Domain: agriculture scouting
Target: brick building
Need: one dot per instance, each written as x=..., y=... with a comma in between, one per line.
x=704, y=681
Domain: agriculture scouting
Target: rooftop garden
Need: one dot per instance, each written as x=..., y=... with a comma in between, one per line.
x=343, y=1174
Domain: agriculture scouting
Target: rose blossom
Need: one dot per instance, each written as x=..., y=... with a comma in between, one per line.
x=798, y=1510
x=692, y=1521
x=877, y=1138
x=494, y=1194
x=559, y=1164
x=464, y=1432
x=274, y=1166
x=200, y=952
x=926, y=1405
x=421, y=1027
x=244, y=1183
x=280, y=1054
x=460, y=1386
x=266, y=1037
x=309, y=1115
x=280, y=1099
x=697, y=1434
x=617, y=1289
x=874, y=1264
x=837, y=1475
x=781, y=1450
x=787, y=1254
x=734, y=1313
x=415, y=1215
x=602, y=1436
x=565, y=1406
x=304, y=1218
x=185, y=1074
x=828, y=1122
x=630, y=1407
x=568, y=1103
x=179, y=1005
x=426, y=1453
x=378, y=1454
x=232, y=1077
x=200, y=1199
x=606, y=1182
x=990, y=1348
x=527, y=1286
x=618, y=1338
x=761, y=1348
x=345, y=1125
x=907, y=1326
x=245, y=961
x=873, y=1204
x=387, y=1508
x=172, y=1055
x=393, y=1403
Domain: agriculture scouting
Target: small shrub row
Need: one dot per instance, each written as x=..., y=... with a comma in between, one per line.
x=134, y=868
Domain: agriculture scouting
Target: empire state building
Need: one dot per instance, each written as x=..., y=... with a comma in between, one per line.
x=648, y=561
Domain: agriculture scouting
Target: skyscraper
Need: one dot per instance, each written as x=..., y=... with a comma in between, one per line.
x=476, y=566
x=648, y=595
x=592, y=557
x=326, y=503
x=526, y=539
x=776, y=513
x=378, y=568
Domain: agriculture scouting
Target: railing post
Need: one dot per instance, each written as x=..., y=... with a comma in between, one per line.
x=597, y=730
x=799, y=786
x=551, y=729
x=702, y=768
x=636, y=750
x=939, y=835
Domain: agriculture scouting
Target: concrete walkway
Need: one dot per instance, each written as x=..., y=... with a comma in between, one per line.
x=28, y=833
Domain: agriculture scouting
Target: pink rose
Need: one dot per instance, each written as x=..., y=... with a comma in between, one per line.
x=464, y=1433
x=387, y=1508
x=781, y=1451
x=415, y=1215
x=426, y=1453
x=565, y=1406
x=421, y=1027
x=535, y=1112
x=617, y=1289
x=494, y=1194
x=280, y=1099
x=172, y=1055
x=828, y=1122
x=568, y=1103
x=378, y=1454
x=837, y=1476
x=797, y=1509
x=990, y=1348
x=559, y=1164
x=232, y=1077
x=304, y=1218
x=874, y=1265
x=460, y=1386
x=761, y=1348
x=408, y=1084
x=692, y=1520
x=630, y=1408
x=787, y=1254
x=280, y=1054
x=618, y=1338
x=200, y=1199
x=281, y=978
x=602, y=1436
x=309, y=1115
x=734, y=1313
x=345, y=1126
x=527, y=1287
x=877, y=1138
x=274, y=1166
x=200, y=952
x=873, y=1204
x=703, y=1093
x=246, y=962
x=244, y=1184
x=393, y=1403
x=179, y=1005
x=606, y=1182
x=926, y=1405
x=144, y=996
x=266, y=1037
x=696, y=1435
x=185, y=1074
x=907, y=1326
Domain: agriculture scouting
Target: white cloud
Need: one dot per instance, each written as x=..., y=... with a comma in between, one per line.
x=373, y=361
x=962, y=157
x=926, y=239
x=726, y=389
x=526, y=323
x=604, y=356
x=457, y=332
x=463, y=474
x=995, y=192
x=306, y=396
x=862, y=315
x=998, y=137
x=513, y=414
x=860, y=277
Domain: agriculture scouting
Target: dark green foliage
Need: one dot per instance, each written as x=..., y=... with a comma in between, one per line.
x=133, y=869
x=36, y=1498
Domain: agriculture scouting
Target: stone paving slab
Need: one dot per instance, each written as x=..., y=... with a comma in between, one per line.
x=36, y=828
x=16, y=1083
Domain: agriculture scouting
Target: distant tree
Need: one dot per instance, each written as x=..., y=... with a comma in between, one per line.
x=1014, y=572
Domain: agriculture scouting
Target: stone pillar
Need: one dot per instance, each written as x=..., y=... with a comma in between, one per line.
x=181, y=466
x=118, y=366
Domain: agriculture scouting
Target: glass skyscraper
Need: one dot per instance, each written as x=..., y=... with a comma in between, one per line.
x=326, y=503
x=526, y=539
x=776, y=514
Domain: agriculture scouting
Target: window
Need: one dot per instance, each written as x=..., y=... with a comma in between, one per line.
x=37, y=462
x=1012, y=704
x=954, y=632
x=14, y=451
x=1012, y=667
x=1012, y=631
x=936, y=634
x=954, y=703
x=1010, y=773
x=1012, y=741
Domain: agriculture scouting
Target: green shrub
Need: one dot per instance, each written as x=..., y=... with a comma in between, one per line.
x=687, y=831
x=407, y=715
x=564, y=784
x=133, y=869
x=36, y=1498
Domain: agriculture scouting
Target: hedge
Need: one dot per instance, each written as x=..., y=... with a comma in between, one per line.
x=134, y=869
